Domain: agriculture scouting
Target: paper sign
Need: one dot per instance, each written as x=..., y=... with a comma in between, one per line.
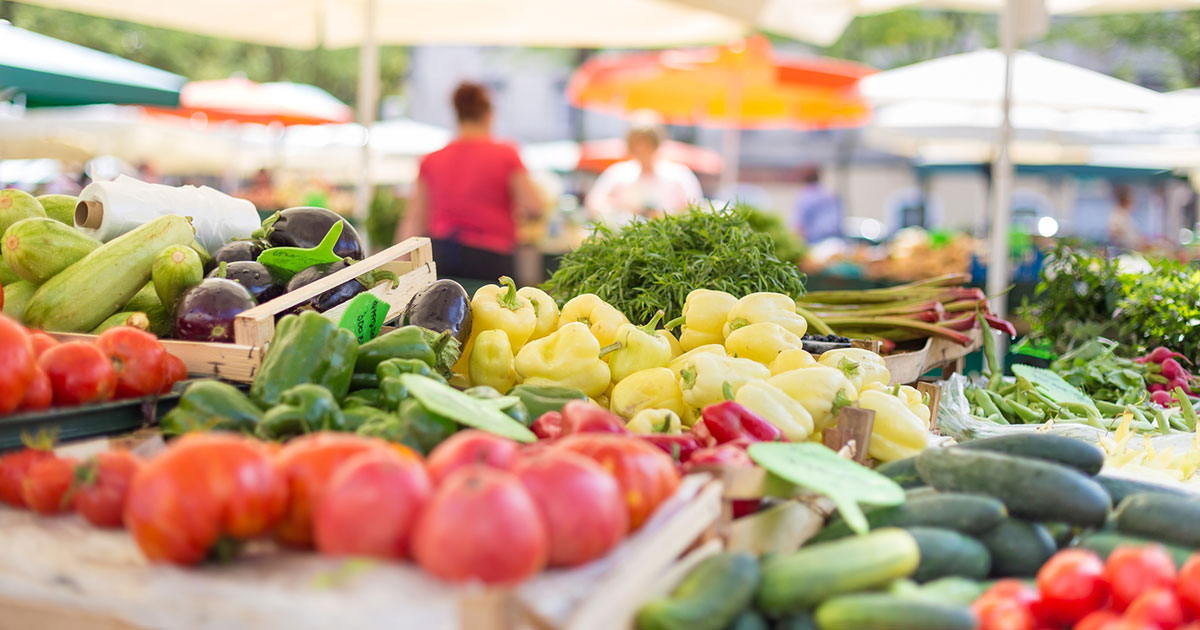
x=297, y=259
x=364, y=316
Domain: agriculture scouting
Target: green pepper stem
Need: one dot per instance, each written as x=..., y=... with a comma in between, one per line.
x=649, y=327
x=610, y=348
x=840, y=400
x=509, y=298
x=678, y=321
x=221, y=269
x=727, y=390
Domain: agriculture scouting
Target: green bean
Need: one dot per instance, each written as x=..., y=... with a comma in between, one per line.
x=985, y=403
x=1029, y=416
x=1002, y=405
x=1164, y=425
x=1178, y=423
x=1107, y=407
x=1185, y=404
x=1008, y=388
x=995, y=378
x=997, y=419
x=1022, y=398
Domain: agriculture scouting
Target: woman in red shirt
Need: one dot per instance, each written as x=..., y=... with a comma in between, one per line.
x=469, y=194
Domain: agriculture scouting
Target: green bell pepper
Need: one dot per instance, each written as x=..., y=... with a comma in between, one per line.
x=539, y=399
x=512, y=406
x=391, y=390
x=361, y=398
x=306, y=348
x=363, y=380
x=358, y=417
x=412, y=426
x=408, y=342
x=303, y=409
x=211, y=406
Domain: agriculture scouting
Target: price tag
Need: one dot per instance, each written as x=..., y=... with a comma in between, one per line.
x=364, y=316
x=297, y=259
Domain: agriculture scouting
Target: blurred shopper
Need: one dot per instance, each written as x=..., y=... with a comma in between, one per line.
x=1122, y=229
x=645, y=185
x=261, y=191
x=817, y=214
x=469, y=194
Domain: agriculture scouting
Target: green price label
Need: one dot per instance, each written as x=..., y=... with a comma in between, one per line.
x=296, y=259
x=364, y=316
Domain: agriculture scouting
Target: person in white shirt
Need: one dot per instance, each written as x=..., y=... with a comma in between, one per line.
x=645, y=185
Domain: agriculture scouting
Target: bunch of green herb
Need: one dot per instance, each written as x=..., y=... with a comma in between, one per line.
x=1161, y=308
x=1096, y=370
x=652, y=265
x=788, y=246
x=1076, y=288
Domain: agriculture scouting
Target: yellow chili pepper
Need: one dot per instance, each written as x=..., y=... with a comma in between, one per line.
x=599, y=316
x=704, y=379
x=789, y=360
x=761, y=342
x=637, y=348
x=774, y=405
x=654, y=388
x=766, y=307
x=860, y=366
x=897, y=432
x=498, y=307
x=704, y=314
x=568, y=357
x=545, y=310
x=649, y=421
x=822, y=390
x=682, y=361
x=491, y=361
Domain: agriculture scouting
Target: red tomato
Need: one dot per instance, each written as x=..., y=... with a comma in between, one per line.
x=1158, y=607
x=41, y=342
x=137, y=357
x=46, y=484
x=1195, y=625
x=1187, y=587
x=14, y=467
x=176, y=371
x=471, y=447
x=307, y=463
x=102, y=483
x=481, y=525
x=79, y=373
x=1125, y=623
x=1072, y=585
x=17, y=364
x=1003, y=613
x=204, y=487
x=581, y=505
x=646, y=475
x=1131, y=570
x=371, y=505
x=1097, y=620
x=40, y=394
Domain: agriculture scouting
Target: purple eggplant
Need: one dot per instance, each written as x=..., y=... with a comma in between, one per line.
x=258, y=279
x=441, y=306
x=305, y=227
x=205, y=312
x=237, y=251
x=342, y=292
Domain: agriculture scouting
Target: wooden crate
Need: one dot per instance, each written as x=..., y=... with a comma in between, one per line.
x=907, y=367
x=411, y=261
x=60, y=573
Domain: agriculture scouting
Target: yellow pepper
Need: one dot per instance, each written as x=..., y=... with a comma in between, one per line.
x=789, y=360
x=676, y=349
x=602, y=318
x=655, y=388
x=682, y=361
x=705, y=377
x=637, y=348
x=915, y=400
x=766, y=307
x=861, y=366
x=878, y=387
x=761, y=342
x=774, y=405
x=822, y=390
x=568, y=357
x=704, y=314
x=649, y=421
x=498, y=307
x=898, y=432
x=491, y=361
x=544, y=309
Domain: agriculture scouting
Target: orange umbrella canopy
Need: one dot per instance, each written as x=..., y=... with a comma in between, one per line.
x=742, y=84
x=597, y=155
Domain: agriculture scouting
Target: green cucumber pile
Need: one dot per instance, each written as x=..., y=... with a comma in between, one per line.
x=990, y=508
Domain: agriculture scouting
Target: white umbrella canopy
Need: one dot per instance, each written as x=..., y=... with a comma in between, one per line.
x=333, y=151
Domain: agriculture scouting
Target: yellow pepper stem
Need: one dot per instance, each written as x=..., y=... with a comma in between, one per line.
x=652, y=324
x=509, y=298
x=678, y=321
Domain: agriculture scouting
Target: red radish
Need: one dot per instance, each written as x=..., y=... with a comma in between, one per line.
x=1171, y=370
x=1157, y=387
x=1176, y=382
x=1161, y=397
x=1161, y=354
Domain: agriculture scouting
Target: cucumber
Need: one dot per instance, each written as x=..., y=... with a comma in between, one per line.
x=1029, y=488
x=1160, y=517
x=952, y=590
x=1119, y=487
x=708, y=598
x=137, y=319
x=176, y=269
x=966, y=513
x=61, y=208
x=945, y=552
x=902, y=471
x=798, y=581
x=16, y=298
x=1018, y=548
x=1077, y=454
x=92, y=289
x=16, y=205
x=880, y=611
x=749, y=620
x=7, y=276
x=206, y=259
x=162, y=322
x=38, y=249
x=1103, y=544
x=1061, y=533
x=799, y=621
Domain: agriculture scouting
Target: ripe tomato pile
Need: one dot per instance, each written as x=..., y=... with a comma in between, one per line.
x=481, y=508
x=1136, y=588
x=37, y=371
